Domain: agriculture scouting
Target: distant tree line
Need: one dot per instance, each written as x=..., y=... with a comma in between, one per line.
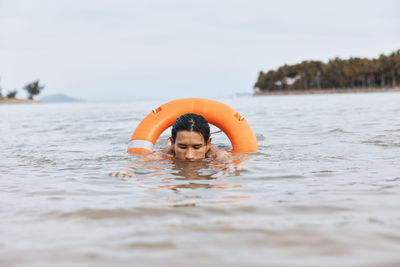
x=32, y=89
x=337, y=73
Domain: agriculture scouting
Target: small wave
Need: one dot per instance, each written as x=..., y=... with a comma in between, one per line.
x=396, y=131
x=150, y=245
x=97, y=214
x=323, y=173
x=333, y=131
x=278, y=177
x=317, y=209
x=139, y=212
x=383, y=141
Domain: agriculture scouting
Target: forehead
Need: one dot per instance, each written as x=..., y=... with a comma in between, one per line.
x=189, y=137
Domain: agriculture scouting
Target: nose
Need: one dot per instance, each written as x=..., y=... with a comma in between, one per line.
x=189, y=154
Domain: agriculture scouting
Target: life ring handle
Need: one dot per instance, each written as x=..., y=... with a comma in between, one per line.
x=233, y=124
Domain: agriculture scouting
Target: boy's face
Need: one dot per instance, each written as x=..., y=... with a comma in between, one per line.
x=190, y=146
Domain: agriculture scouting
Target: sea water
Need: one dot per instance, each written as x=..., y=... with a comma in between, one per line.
x=323, y=189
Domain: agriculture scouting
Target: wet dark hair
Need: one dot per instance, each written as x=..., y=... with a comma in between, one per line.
x=193, y=123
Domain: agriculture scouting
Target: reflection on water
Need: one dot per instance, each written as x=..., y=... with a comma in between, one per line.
x=145, y=168
x=323, y=190
x=195, y=170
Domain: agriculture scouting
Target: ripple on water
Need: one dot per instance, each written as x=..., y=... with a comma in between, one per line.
x=323, y=188
x=383, y=140
x=280, y=177
x=187, y=211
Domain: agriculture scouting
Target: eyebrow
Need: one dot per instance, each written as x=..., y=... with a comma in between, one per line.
x=183, y=144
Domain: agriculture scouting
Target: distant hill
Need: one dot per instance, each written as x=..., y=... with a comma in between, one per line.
x=243, y=94
x=59, y=98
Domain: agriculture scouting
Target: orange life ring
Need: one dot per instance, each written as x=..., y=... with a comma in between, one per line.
x=224, y=117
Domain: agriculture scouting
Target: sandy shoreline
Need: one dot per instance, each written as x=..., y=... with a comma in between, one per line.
x=330, y=91
x=18, y=101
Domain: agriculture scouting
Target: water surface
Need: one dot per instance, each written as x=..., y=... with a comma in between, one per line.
x=323, y=190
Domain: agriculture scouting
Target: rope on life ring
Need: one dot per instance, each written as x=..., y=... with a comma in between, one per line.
x=222, y=116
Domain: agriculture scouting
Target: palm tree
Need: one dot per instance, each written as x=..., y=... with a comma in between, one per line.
x=33, y=88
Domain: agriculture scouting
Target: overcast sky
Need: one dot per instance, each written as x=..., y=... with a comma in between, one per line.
x=123, y=50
